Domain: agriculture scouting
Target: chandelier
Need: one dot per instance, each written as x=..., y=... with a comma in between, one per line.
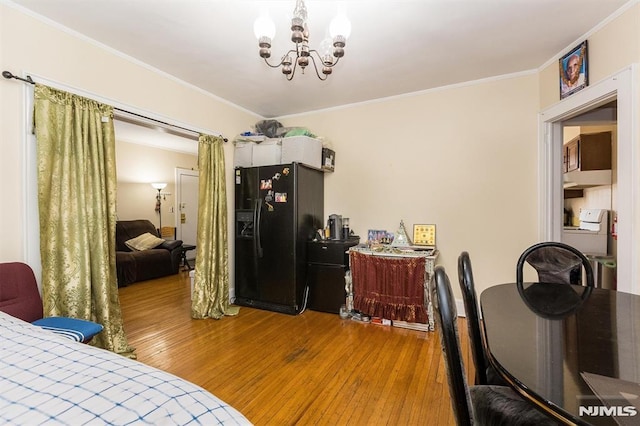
x=323, y=60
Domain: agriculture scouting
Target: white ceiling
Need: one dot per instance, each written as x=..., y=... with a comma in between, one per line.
x=396, y=47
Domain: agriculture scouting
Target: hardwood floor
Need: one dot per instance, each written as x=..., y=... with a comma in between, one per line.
x=279, y=369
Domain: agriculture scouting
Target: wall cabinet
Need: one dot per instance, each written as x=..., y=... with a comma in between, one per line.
x=588, y=152
x=573, y=193
x=586, y=163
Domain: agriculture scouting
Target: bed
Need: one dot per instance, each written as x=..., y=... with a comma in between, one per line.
x=48, y=379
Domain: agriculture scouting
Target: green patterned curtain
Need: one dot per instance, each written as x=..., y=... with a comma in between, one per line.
x=210, y=297
x=77, y=206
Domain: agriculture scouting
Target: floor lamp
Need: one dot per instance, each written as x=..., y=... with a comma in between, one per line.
x=159, y=186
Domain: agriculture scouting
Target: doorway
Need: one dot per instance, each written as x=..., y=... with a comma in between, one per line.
x=187, y=203
x=590, y=145
x=138, y=127
x=618, y=87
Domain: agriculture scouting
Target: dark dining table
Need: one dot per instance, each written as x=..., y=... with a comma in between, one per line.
x=573, y=351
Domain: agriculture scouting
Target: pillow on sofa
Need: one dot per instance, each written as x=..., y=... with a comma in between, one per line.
x=144, y=241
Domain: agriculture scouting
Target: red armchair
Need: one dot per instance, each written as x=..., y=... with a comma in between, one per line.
x=20, y=298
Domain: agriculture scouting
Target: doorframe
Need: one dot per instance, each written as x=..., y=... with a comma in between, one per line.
x=623, y=87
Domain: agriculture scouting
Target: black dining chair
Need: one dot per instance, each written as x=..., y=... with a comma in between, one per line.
x=485, y=374
x=556, y=262
x=553, y=301
x=481, y=404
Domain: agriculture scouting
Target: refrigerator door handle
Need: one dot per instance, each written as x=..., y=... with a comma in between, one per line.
x=257, y=215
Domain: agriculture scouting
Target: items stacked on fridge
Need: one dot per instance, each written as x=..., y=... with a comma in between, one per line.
x=255, y=151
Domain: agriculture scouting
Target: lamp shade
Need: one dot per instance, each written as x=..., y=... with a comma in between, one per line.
x=159, y=185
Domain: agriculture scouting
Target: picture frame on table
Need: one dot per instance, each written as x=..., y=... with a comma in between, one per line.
x=379, y=236
x=574, y=70
x=424, y=235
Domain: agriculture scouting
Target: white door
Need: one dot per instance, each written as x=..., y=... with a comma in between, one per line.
x=187, y=202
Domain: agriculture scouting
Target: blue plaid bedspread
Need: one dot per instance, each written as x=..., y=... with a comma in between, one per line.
x=47, y=379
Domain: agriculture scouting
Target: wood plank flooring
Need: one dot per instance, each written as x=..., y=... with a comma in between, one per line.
x=278, y=369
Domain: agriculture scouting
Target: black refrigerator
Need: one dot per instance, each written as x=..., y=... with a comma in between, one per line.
x=278, y=209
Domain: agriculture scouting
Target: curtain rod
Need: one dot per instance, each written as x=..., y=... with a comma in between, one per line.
x=9, y=75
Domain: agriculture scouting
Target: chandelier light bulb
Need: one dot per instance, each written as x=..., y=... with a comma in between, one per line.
x=325, y=48
x=327, y=61
x=340, y=26
x=264, y=27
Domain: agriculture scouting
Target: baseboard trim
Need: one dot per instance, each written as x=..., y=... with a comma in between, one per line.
x=460, y=308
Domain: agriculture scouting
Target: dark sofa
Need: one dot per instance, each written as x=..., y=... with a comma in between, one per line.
x=133, y=266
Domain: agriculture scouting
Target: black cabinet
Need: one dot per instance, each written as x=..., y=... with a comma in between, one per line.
x=327, y=263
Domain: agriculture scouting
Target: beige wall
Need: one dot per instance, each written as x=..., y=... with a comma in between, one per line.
x=611, y=48
x=138, y=166
x=138, y=201
x=28, y=45
x=462, y=158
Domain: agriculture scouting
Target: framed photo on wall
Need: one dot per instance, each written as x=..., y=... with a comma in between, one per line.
x=574, y=70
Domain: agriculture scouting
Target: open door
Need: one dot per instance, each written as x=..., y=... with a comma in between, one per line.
x=187, y=204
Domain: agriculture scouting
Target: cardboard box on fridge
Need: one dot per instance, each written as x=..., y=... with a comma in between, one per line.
x=302, y=149
x=267, y=153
